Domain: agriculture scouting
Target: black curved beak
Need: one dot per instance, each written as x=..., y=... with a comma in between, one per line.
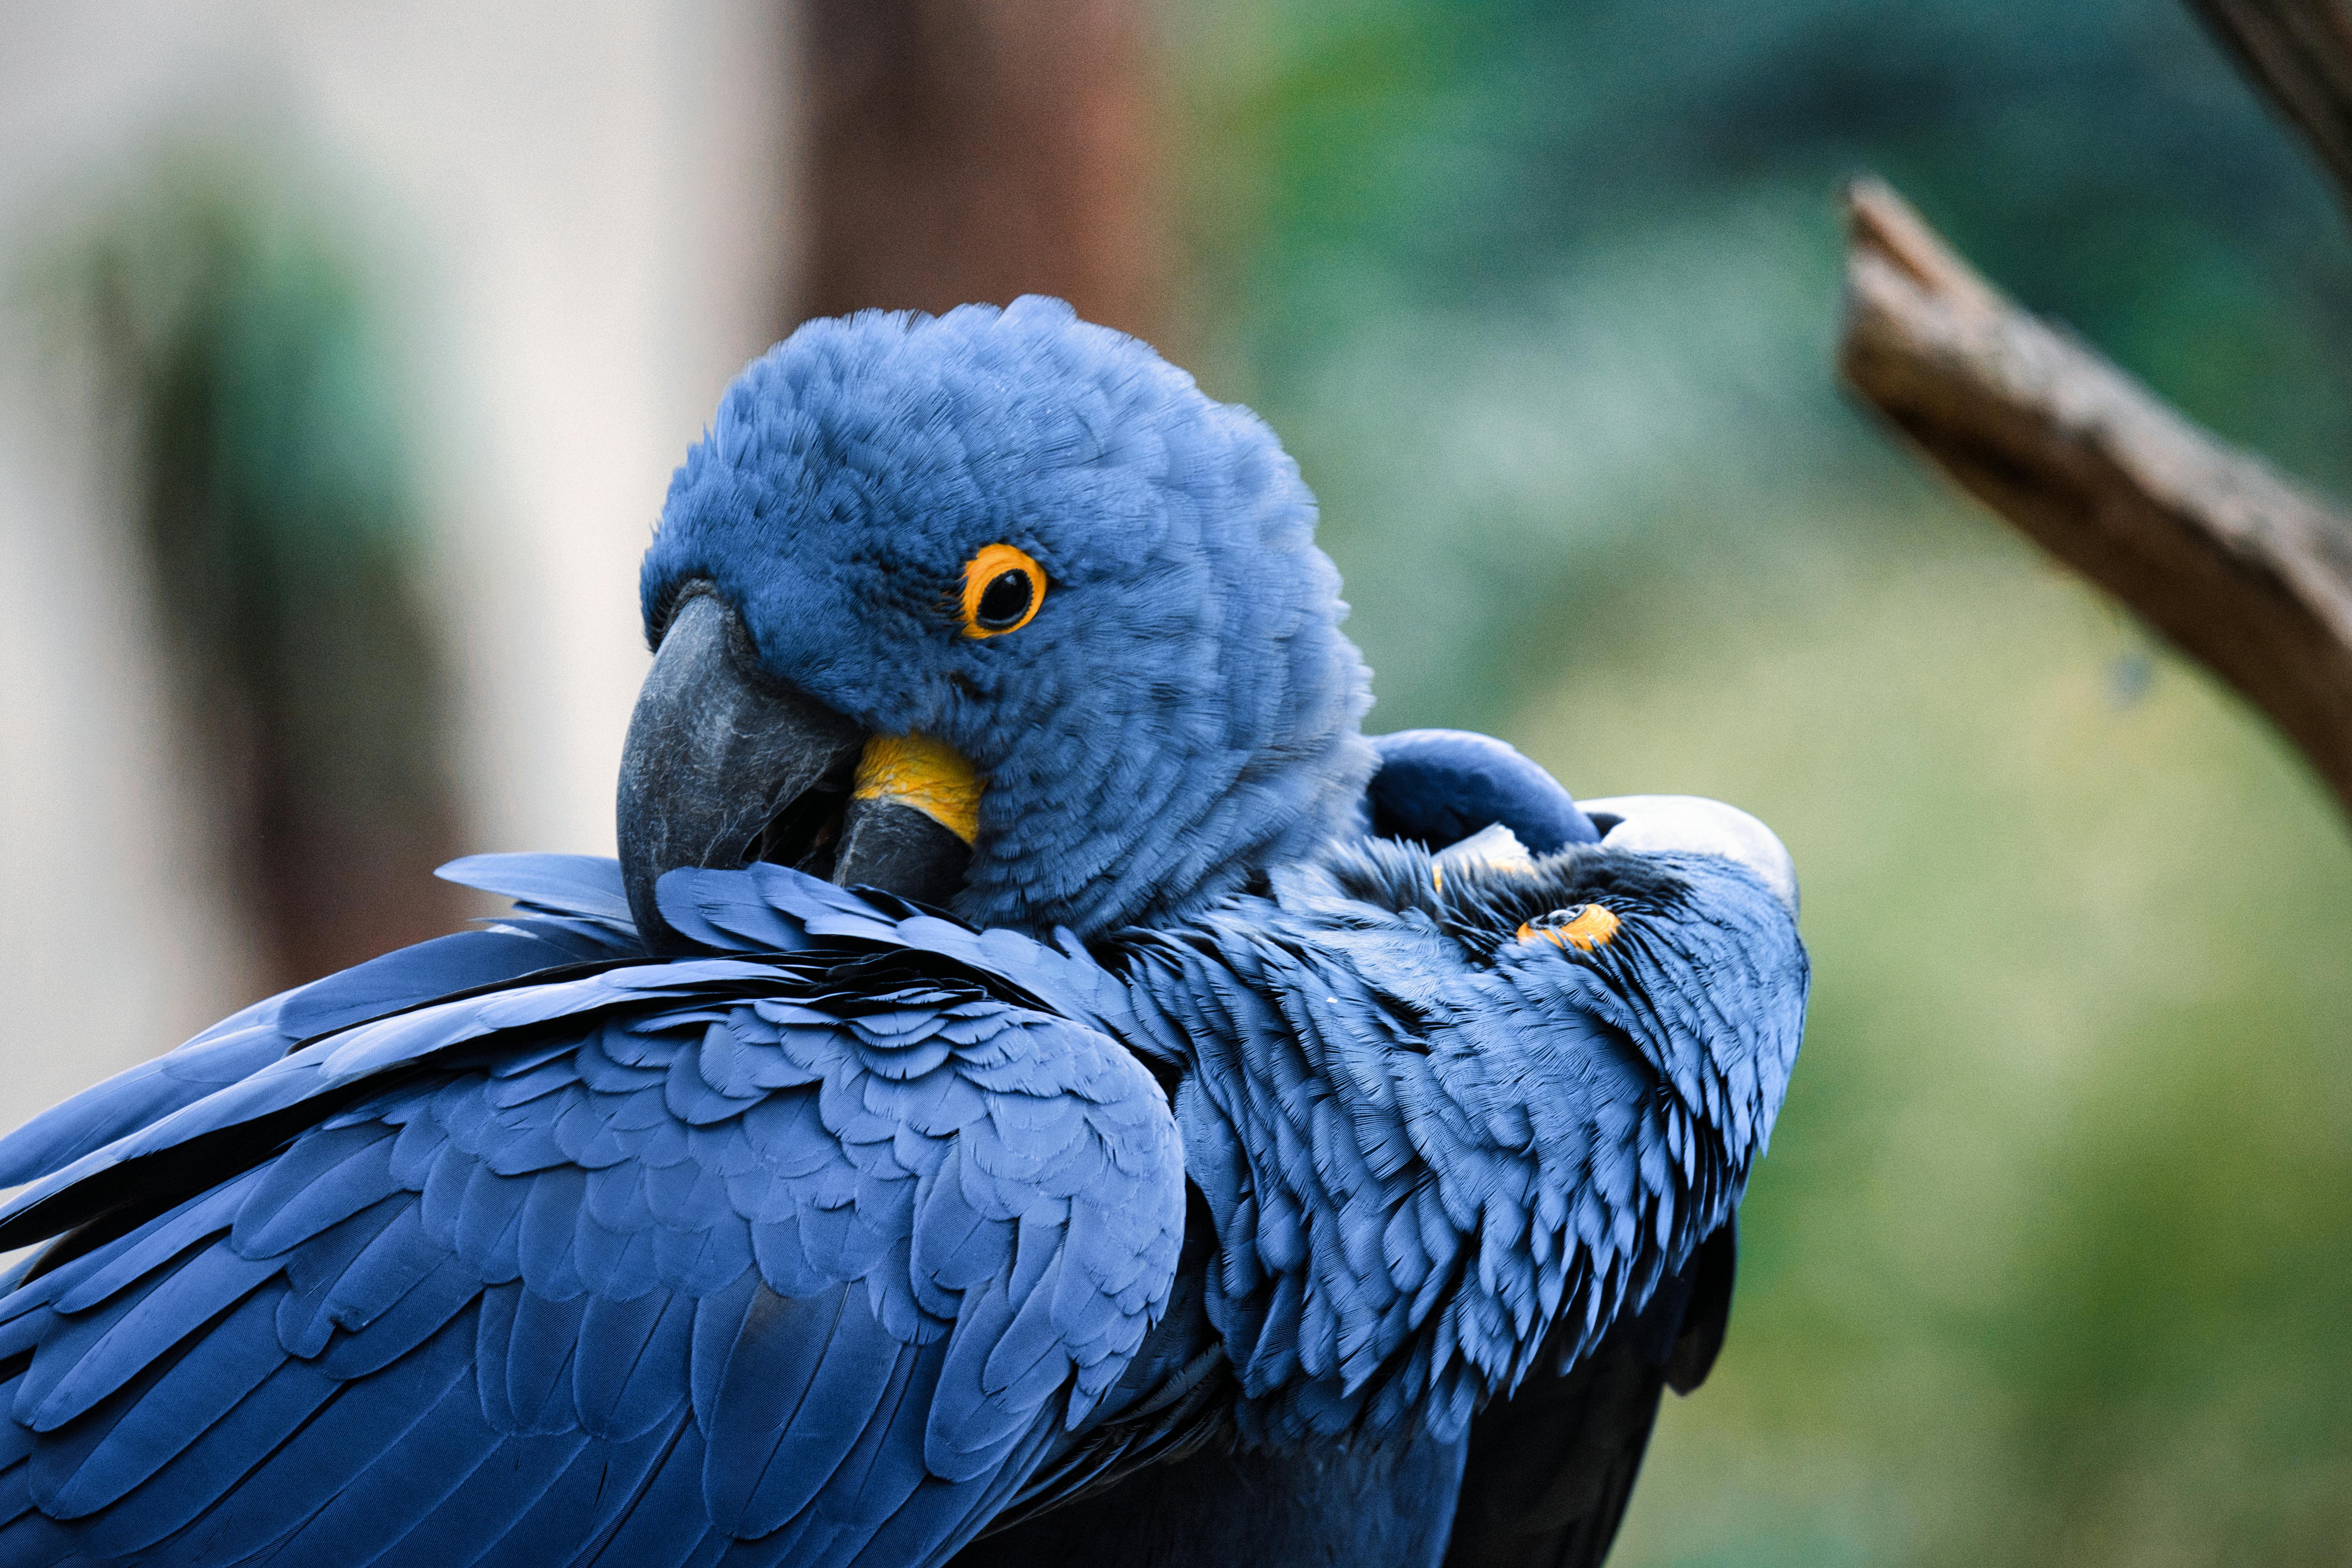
x=725, y=764
x=718, y=753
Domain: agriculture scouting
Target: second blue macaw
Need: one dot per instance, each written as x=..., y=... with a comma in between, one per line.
x=1038, y=1085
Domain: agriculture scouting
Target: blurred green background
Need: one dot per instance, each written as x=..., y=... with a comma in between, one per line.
x=2052, y=1260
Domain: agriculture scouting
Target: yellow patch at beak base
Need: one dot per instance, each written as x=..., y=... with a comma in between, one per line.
x=929, y=775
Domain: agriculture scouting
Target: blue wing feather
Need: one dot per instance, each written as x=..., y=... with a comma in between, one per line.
x=541, y=1348
x=572, y=915
x=1379, y=1080
x=586, y=1500
x=131, y=1099
x=1436, y=786
x=427, y=1287
x=622, y=1379
x=376, y=1505
x=649, y=1532
x=514, y=1473
x=443, y=966
x=583, y=885
x=802, y=1380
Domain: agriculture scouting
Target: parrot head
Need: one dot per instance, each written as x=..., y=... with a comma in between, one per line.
x=995, y=609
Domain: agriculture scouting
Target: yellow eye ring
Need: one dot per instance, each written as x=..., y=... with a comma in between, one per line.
x=1002, y=591
x=1581, y=926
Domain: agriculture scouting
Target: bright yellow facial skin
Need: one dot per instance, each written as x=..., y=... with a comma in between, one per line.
x=929, y=775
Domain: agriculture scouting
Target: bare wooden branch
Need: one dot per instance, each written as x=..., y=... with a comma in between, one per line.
x=2236, y=565
x=2299, y=52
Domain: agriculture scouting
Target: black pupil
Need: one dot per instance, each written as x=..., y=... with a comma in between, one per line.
x=1005, y=600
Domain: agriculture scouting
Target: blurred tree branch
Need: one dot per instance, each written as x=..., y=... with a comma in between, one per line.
x=2299, y=52
x=2239, y=567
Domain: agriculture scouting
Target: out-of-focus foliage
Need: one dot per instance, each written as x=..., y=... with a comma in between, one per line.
x=2052, y=1262
x=275, y=503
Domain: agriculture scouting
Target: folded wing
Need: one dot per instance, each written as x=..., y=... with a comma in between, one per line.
x=792, y=1260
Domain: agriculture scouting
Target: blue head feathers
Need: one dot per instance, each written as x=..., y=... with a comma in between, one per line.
x=1180, y=710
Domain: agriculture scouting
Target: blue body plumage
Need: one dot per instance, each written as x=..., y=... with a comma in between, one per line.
x=1227, y=1179
x=1182, y=708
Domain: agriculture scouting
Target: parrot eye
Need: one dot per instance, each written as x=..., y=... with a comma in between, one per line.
x=1581, y=926
x=1004, y=601
x=1002, y=588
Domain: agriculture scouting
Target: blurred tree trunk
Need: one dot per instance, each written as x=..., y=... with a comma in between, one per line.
x=2242, y=569
x=978, y=150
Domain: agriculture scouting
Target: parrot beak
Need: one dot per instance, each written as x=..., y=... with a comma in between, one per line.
x=724, y=765
x=913, y=813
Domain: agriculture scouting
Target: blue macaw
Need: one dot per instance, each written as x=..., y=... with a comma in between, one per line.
x=1038, y=1085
